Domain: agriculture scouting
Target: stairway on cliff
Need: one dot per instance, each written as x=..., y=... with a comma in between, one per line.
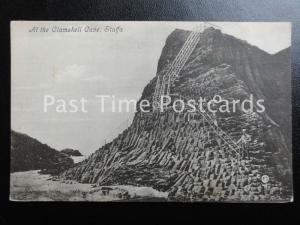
x=181, y=152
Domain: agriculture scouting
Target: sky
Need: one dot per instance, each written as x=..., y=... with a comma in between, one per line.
x=82, y=65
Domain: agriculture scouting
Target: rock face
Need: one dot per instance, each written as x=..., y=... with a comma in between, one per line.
x=184, y=153
x=71, y=152
x=29, y=154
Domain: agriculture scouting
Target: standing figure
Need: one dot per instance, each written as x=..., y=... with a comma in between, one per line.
x=215, y=119
x=244, y=142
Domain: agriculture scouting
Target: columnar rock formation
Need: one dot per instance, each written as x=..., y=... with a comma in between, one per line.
x=184, y=153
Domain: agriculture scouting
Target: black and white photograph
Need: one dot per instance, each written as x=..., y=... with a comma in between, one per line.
x=151, y=111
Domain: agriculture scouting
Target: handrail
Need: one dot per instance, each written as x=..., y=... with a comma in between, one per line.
x=176, y=65
x=218, y=130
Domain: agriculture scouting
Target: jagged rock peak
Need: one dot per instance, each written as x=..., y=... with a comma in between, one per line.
x=186, y=155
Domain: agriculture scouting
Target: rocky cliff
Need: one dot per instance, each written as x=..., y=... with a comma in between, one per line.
x=71, y=152
x=28, y=153
x=187, y=155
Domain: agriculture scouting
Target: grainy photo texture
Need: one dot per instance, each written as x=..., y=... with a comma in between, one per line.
x=151, y=111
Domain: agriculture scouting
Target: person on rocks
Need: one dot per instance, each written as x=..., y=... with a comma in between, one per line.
x=214, y=117
x=244, y=143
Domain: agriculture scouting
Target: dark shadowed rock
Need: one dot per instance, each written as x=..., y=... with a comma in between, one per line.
x=71, y=152
x=28, y=153
x=182, y=153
